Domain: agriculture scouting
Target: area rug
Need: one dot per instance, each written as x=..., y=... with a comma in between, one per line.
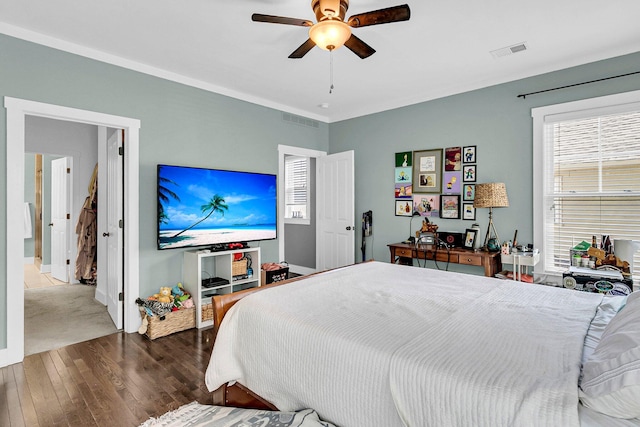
x=197, y=415
x=58, y=316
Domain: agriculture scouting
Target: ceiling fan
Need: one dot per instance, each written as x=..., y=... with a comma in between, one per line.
x=331, y=31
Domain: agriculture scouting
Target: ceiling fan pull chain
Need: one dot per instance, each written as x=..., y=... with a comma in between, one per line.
x=331, y=70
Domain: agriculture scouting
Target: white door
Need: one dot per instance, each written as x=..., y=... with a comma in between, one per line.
x=335, y=206
x=114, y=233
x=60, y=217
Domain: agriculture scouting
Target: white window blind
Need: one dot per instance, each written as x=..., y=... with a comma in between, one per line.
x=296, y=187
x=591, y=183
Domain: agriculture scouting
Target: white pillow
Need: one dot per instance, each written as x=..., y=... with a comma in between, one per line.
x=611, y=376
x=608, y=308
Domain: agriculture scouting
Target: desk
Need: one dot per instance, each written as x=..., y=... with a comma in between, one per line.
x=489, y=260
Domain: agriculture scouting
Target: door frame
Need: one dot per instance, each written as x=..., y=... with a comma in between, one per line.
x=17, y=110
x=287, y=150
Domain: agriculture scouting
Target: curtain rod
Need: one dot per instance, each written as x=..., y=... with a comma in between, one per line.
x=524, y=95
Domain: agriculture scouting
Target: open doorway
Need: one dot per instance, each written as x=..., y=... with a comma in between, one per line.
x=329, y=239
x=67, y=156
x=297, y=239
x=17, y=112
x=61, y=270
x=38, y=223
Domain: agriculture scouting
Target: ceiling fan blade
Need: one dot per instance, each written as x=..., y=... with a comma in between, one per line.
x=360, y=48
x=258, y=17
x=382, y=16
x=303, y=49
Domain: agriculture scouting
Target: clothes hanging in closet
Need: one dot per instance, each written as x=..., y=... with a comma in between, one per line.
x=87, y=232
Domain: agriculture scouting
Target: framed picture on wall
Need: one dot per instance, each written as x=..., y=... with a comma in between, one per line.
x=451, y=182
x=403, y=175
x=450, y=206
x=468, y=192
x=403, y=208
x=427, y=204
x=469, y=173
x=403, y=191
x=427, y=171
x=452, y=159
x=469, y=154
x=404, y=159
x=468, y=211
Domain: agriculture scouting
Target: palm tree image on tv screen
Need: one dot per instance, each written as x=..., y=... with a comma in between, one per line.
x=206, y=207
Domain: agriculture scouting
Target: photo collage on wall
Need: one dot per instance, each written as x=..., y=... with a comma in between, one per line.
x=436, y=183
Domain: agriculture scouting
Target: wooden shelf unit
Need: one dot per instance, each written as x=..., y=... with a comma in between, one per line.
x=198, y=266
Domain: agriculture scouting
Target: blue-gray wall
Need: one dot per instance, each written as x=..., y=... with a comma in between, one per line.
x=494, y=119
x=188, y=126
x=179, y=125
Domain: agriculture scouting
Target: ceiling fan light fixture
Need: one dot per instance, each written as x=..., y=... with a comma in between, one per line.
x=330, y=34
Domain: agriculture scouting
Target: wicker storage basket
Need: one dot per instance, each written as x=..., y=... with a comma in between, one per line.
x=176, y=321
x=206, y=312
x=238, y=268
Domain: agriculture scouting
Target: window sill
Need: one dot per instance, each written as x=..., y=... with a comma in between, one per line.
x=297, y=221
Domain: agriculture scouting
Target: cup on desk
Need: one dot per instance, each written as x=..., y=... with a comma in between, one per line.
x=576, y=261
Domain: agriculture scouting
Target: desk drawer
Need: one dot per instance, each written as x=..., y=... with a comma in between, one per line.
x=404, y=252
x=443, y=256
x=470, y=259
x=440, y=256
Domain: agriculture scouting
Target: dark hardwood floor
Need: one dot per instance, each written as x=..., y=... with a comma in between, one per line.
x=117, y=380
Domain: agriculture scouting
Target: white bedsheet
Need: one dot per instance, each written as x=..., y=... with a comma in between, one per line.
x=378, y=344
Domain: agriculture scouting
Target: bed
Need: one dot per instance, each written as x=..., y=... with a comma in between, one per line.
x=378, y=344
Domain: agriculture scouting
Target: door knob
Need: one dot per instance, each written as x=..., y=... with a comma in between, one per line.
x=50, y=224
x=105, y=234
x=348, y=228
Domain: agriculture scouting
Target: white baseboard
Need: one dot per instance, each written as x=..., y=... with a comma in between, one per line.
x=29, y=260
x=10, y=356
x=101, y=297
x=45, y=268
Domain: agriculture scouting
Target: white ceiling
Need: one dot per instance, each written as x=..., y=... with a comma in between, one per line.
x=442, y=50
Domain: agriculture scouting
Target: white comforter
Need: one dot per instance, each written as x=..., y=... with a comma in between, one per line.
x=378, y=344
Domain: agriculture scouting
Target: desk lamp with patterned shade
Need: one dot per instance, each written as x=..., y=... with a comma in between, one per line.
x=491, y=195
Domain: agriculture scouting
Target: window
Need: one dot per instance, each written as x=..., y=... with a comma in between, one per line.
x=296, y=189
x=586, y=176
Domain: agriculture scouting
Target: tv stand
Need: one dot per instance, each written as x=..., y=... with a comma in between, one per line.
x=207, y=273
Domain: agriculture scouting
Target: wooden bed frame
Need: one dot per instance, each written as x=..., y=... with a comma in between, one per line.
x=238, y=395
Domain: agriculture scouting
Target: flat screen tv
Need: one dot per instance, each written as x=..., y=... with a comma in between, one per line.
x=211, y=207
